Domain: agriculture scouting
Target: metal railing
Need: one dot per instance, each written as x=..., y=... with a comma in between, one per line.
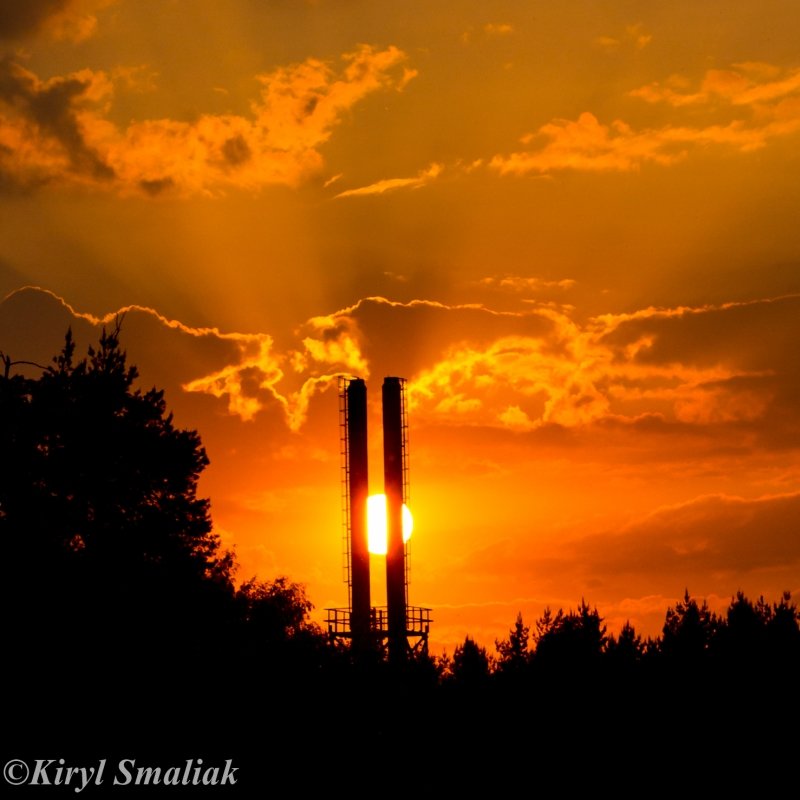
x=418, y=621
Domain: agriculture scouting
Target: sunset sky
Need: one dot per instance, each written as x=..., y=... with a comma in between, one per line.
x=572, y=226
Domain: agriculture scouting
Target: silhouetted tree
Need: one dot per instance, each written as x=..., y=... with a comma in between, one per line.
x=471, y=664
x=513, y=653
x=547, y=623
x=626, y=650
x=276, y=636
x=570, y=640
x=279, y=608
x=114, y=558
x=741, y=638
x=783, y=632
x=689, y=631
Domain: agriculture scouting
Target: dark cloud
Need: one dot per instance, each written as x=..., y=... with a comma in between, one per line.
x=236, y=151
x=52, y=108
x=402, y=337
x=21, y=18
x=33, y=323
x=712, y=544
x=11, y=277
x=756, y=334
x=156, y=187
x=716, y=542
x=758, y=338
x=14, y=184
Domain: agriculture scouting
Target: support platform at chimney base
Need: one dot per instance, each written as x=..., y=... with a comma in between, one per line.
x=418, y=622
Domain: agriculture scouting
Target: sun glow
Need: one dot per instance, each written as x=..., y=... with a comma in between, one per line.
x=376, y=524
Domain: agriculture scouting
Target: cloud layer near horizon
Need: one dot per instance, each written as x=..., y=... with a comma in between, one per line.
x=714, y=545
x=705, y=367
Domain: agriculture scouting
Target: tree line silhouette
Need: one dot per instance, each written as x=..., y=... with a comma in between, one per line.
x=749, y=634
x=118, y=602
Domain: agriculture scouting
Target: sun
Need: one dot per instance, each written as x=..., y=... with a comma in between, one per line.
x=376, y=524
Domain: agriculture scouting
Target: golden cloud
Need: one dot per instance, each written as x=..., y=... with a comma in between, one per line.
x=58, y=131
x=746, y=84
x=338, y=344
x=574, y=375
x=258, y=369
x=587, y=145
x=772, y=106
x=253, y=375
x=391, y=184
x=335, y=340
x=520, y=371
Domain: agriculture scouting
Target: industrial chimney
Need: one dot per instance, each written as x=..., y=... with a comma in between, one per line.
x=394, y=486
x=357, y=491
x=397, y=623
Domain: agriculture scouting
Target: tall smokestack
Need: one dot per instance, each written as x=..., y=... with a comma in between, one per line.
x=393, y=483
x=358, y=488
x=365, y=626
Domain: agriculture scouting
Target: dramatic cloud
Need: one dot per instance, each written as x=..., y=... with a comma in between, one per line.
x=333, y=340
x=401, y=337
x=113, y=316
x=57, y=130
x=524, y=371
x=251, y=375
x=529, y=370
x=255, y=376
x=391, y=184
x=768, y=108
x=257, y=370
x=42, y=125
x=260, y=377
x=700, y=366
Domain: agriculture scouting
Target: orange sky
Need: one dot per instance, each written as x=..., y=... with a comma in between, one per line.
x=572, y=227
